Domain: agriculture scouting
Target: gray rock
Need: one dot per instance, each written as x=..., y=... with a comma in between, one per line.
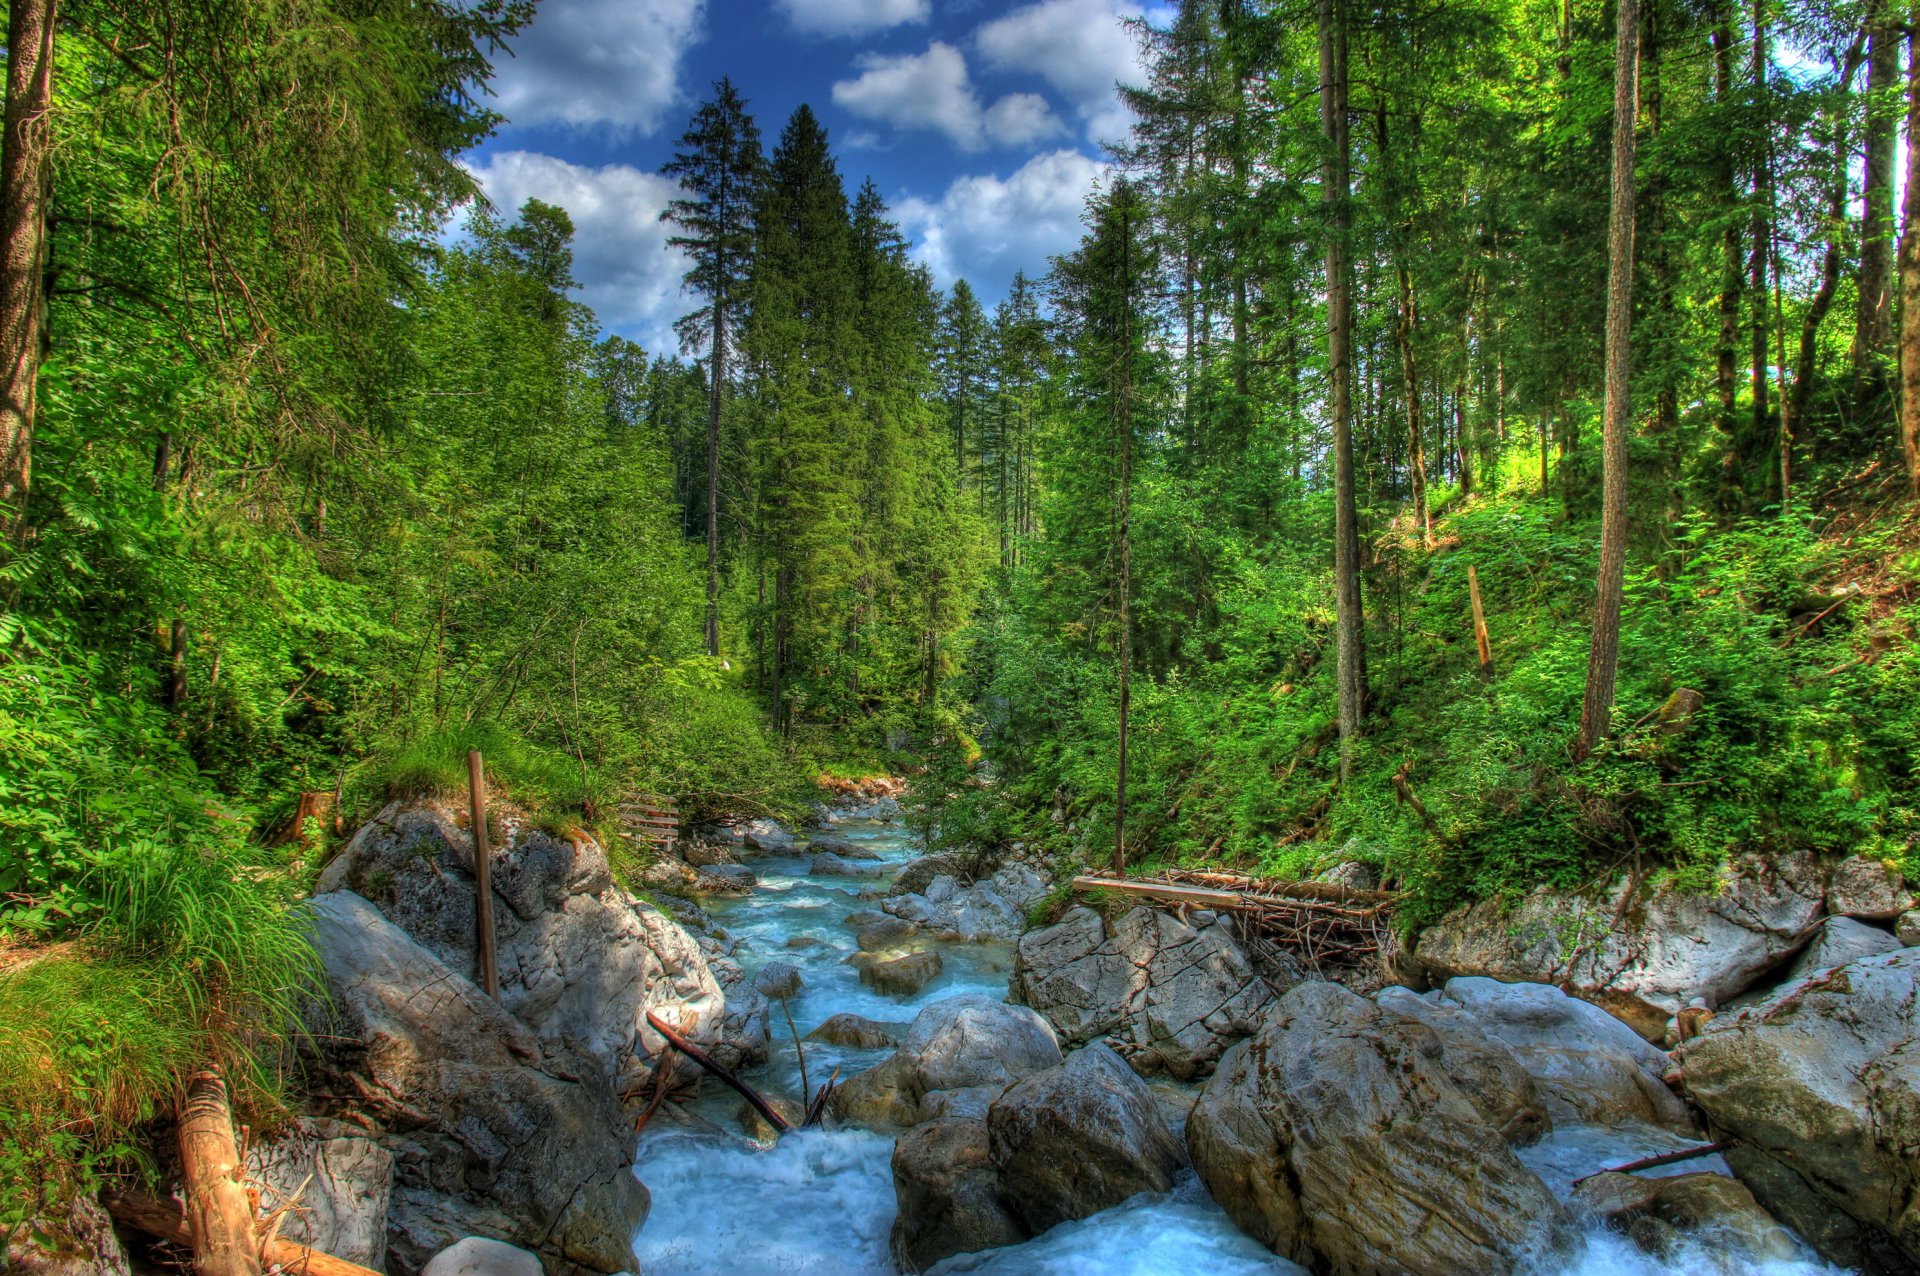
x=1176, y=995
x=1839, y=941
x=736, y=874
x=478, y=1256
x=83, y=1243
x=778, y=980
x=919, y=874
x=970, y=1046
x=993, y=909
x=336, y=1179
x=949, y=1195
x=1640, y=959
x=1906, y=928
x=490, y=1133
x=1353, y=874
x=844, y=849
x=1822, y=1087
x=1078, y=1139
x=580, y=960
x=1588, y=1066
x=708, y=853
x=745, y=1035
x=886, y=933
x=1867, y=889
x=903, y=976
x=1291, y=1138
x=1735, y=1234
x=864, y=917
x=767, y=837
x=857, y=1033
x=834, y=866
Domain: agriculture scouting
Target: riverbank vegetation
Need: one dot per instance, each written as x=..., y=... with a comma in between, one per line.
x=317, y=478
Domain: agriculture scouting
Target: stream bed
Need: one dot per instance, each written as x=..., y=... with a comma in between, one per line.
x=821, y=1201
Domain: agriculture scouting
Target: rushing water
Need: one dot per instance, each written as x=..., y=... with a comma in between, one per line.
x=822, y=1201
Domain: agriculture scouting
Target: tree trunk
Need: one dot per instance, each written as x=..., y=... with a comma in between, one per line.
x=1416, y=432
x=719, y=371
x=24, y=186
x=1349, y=646
x=1757, y=444
x=1603, y=658
x=1123, y=423
x=1873, y=321
x=219, y=1215
x=1804, y=364
x=1732, y=281
x=1910, y=271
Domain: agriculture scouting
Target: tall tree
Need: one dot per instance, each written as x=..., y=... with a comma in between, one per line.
x=1910, y=269
x=1603, y=656
x=1873, y=322
x=720, y=169
x=24, y=178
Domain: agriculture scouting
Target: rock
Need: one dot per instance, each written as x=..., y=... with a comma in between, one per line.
x=731, y=874
x=337, y=1178
x=1822, y=1087
x=758, y=1128
x=1906, y=928
x=1351, y=1139
x=844, y=849
x=580, y=960
x=960, y=1053
x=948, y=1193
x=993, y=909
x=885, y=933
x=684, y=911
x=865, y=917
x=1078, y=1139
x=477, y=1256
x=1353, y=874
x=1642, y=959
x=1588, y=1066
x=704, y=852
x=919, y=874
x=490, y=1133
x=856, y=1033
x=1839, y=941
x=745, y=1036
x=903, y=976
x=1178, y=995
x=767, y=837
x=83, y=1243
x=834, y=866
x=1867, y=889
x=1657, y=1212
x=797, y=942
x=778, y=980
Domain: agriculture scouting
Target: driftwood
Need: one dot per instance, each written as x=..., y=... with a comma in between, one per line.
x=1321, y=921
x=1665, y=1158
x=706, y=1061
x=219, y=1215
x=164, y=1219
x=818, y=1108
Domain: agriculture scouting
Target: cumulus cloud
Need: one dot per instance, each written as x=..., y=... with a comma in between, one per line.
x=852, y=17
x=1082, y=48
x=632, y=278
x=985, y=227
x=932, y=91
x=612, y=63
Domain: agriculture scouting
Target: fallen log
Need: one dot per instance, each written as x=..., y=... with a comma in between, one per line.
x=219, y=1215
x=1665, y=1158
x=706, y=1061
x=165, y=1219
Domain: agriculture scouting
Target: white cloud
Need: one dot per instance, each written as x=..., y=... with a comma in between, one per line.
x=1080, y=47
x=629, y=275
x=598, y=62
x=932, y=91
x=985, y=227
x=852, y=17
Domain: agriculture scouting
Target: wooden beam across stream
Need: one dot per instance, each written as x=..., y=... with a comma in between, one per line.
x=1194, y=896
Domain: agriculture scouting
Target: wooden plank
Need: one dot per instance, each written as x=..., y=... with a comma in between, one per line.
x=1196, y=895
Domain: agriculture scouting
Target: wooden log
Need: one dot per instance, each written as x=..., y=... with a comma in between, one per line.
x=1666, y=1158
x=219, y=1215
x=162, y=1218
x=1198, y=896
x=706, y=1061
x=1479, y=621
x=482, y=876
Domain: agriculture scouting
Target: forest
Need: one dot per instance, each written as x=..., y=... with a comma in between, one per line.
x=1478, y=439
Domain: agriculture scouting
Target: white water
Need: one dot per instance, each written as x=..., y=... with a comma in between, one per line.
x=822, y=1201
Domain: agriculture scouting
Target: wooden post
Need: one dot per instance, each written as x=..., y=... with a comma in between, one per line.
x=482, y=866
x=1479, y=621
x=219, y=1215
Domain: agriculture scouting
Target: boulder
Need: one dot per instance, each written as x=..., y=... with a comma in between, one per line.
x=1353, y=874
x=856, y=1033
x=843, y=848
x=778, y=980
x=337, y=1180
x=1174, y=995
x=1078, y=1139
x=960, y=1054
x=993, y=909
x=1906, y=928
x=580, y=960
x=834, y=866
x=767, y=837
x=885, y=933
x=949, y=1195
x=1867, y=889
x=1588, y=1066
x=1838, y=941
x=1348, y=1138
x=82, y=1243
x=492, y=1131
x=1718, y=1212
x=919, y=874
x=1822, y=1087
x=729, y=875
x=702, y=852
x=903, y=976
x=478, y=1256
x=745, y=1035
x=862, y=917
x=1642, y=956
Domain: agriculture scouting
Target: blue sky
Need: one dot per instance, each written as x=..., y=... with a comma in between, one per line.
x=980, y=121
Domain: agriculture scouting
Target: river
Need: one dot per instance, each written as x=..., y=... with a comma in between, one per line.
x=822, y=1201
